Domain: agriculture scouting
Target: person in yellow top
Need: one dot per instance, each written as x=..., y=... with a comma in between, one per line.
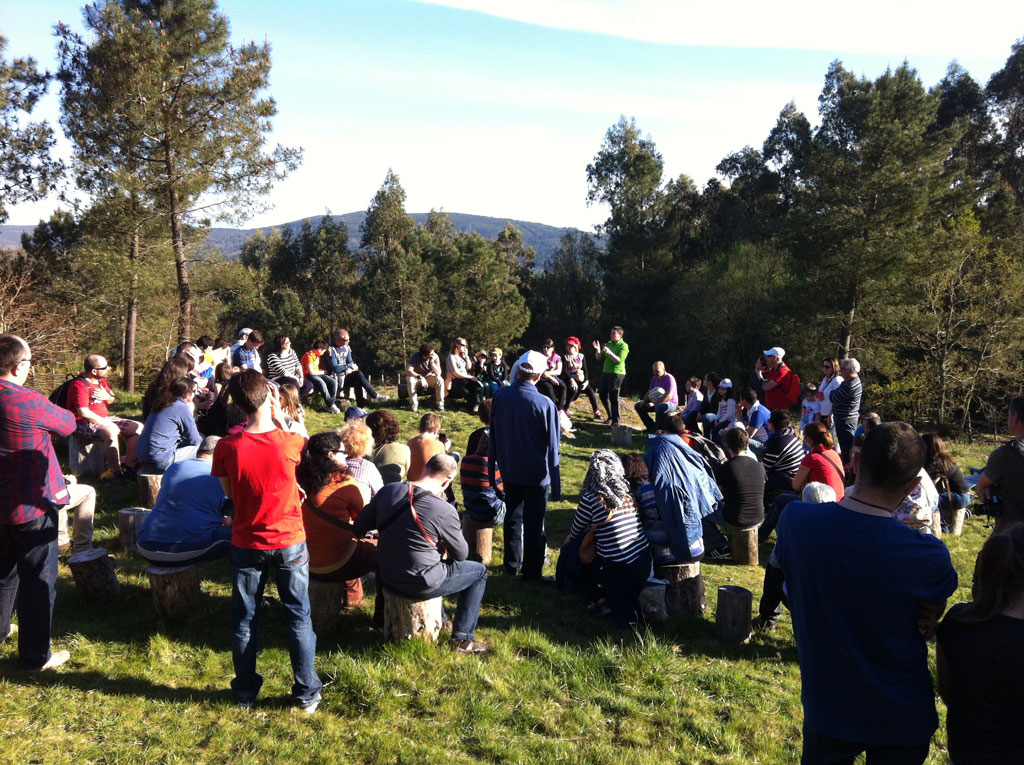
x=613, y=372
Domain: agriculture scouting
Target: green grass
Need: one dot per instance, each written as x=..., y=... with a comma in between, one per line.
x=558, y=685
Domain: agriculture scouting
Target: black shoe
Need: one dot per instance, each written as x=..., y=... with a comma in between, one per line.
x=469, y=646
x=720, y=554
x=541, y=580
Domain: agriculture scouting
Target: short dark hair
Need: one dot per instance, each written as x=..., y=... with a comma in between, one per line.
x=430, y=423
x=441, y=466
x=892, y=455
x=181, y=387
x=320, y=345
x=248, y=390
x=12, y=351
x=484, y=413
x=1017, y=407
x=426, y=349
x=736, y=439
x=713, y=376
x=256, y=337
x=204, y=342
x=779, y=419
x=676, y=424
x=749, y=395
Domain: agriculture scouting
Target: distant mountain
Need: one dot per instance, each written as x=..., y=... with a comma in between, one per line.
x=543, y=238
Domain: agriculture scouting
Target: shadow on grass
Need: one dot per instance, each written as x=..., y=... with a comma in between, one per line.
x=124, y=685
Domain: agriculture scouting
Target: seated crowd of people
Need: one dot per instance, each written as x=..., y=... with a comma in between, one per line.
x=243, y=479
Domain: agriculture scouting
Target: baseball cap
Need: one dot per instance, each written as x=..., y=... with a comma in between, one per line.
x=532, y=362
x=725, y=382
x=776, y=351
x=355, y=413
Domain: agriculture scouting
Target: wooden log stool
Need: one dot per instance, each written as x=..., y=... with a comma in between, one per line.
x=480, y=537
x=936, y=525
x=175, y=590
x=732, y=616
x=622, y=435
x=93, y=571
x=744, y=544
x=85, y=456
x=129, y=522
x=684, y=597
x=406, y=619
x=326, y=599
x=149, y=488
x=652, y=604
x=957, y=527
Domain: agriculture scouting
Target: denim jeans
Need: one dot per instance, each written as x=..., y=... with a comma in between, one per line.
x=771, y=519
x=845, y=428
x=28, y=577
x=358, y=381
x=468, y=579
x=250, y=569
x=525, y=540
x=661, y=412
x=325, y=385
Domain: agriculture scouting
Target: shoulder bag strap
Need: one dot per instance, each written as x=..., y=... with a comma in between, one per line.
x=346, y=525
x=416, y=517
x=839, y=471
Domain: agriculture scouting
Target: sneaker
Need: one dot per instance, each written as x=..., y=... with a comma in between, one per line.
x=381, y=398
x=719, y=554
x=310, y=706
x=415, y=408
x=12, y=630
x=760, y=624
x=469, y=646
x=598, y=417
x=333, y=409
x=55, y=660
x=440, y=407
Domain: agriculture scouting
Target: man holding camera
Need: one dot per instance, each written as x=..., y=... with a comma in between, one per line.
x=422, y=551
x=1002, y=483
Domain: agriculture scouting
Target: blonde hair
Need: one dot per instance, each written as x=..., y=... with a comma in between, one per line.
x=357, y=439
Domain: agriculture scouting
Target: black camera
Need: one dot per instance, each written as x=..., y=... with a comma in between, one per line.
x=992, y=508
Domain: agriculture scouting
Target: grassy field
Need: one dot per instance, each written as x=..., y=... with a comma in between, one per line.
x=559, y=684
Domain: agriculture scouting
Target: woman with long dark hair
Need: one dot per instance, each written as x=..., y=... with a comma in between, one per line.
x=333, y=500
x=954, y=493
x=980, y=664
x=158, y=393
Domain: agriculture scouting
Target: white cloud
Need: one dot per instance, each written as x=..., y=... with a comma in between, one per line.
x=870, y=26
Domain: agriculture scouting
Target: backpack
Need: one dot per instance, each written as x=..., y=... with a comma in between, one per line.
x=60, y=395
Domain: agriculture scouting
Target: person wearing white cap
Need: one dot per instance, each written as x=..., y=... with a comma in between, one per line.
x=725, y=417
x=524, y=446
x=781, y=385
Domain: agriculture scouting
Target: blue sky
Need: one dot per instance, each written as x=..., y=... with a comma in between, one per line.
x=495, y=108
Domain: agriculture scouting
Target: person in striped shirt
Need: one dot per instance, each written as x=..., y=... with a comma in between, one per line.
x=622, y=550
x=479, y=493
x=783, y=452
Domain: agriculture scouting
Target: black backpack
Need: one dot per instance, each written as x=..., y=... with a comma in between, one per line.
x=60, y=395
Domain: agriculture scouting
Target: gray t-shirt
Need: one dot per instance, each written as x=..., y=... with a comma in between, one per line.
x=1005, y=468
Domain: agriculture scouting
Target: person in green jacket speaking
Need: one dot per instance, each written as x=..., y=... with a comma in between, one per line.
x=613, y=356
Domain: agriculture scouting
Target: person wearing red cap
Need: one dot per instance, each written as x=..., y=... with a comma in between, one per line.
x=574, y=372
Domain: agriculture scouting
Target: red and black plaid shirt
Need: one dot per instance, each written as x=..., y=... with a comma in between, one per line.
x=30, y=476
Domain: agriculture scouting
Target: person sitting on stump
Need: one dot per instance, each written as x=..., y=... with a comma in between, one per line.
x=422, y=551
x=741, y=480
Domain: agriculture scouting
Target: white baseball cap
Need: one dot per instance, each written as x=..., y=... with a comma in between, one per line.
x=776, y=351
x=533, y=362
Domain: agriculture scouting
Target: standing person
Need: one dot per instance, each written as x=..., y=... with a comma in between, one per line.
x=1003, y=476
x=669, y=402
x=247, y=355
x=829, y=382
x=612, y=355
x=347, y=372
x=88, y=398
x=415, y=523
x=319, y=380
x=980, y=665
x=863, y=659
x=423, y=373
x=781, y=385
x=256, y=467
x=574, y=373
x=32, y=489
x=524, y=446
x=846, y=405
x=462, y=384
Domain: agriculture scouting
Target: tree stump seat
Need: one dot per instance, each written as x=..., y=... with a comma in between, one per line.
x=94, y=575
x=622, y=435
x=129, y=522
x=407, y=619
x=149, y=488
x=85, y=456
x=175, y=589
x=957, y=527
x=744, y=545
x=480, y=538
x=732, y=615
x=684, y=596
x=326, y=600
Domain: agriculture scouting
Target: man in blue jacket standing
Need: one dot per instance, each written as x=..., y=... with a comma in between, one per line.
x=524, y=447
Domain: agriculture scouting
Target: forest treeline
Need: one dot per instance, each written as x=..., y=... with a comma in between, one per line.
x=886, y=227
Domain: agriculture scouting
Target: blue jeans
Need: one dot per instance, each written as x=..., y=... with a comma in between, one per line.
x=525, y=540
x=325, y=385
x=28, y=576
x=250, y=569
x=845, y=429
x=771, y=520
x=469, y=579
x=661, y=412
x=358, y=381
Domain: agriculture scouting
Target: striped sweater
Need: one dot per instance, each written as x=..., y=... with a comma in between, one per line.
x=783, y=452
x=620, y=539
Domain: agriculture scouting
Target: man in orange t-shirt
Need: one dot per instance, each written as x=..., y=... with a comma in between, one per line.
x=256, y=467
x=425, y=445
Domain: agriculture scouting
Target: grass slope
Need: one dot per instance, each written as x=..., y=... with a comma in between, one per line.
x=559, y=685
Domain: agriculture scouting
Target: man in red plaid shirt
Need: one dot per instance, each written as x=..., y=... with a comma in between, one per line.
x=31, y=489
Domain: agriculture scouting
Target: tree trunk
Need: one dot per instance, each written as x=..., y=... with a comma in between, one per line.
x=131, y=322
x=846, y=339
x=178, y=243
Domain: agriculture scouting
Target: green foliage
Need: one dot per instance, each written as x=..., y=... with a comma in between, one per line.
x=27, y=171
x=387, y=224
x=568, y=294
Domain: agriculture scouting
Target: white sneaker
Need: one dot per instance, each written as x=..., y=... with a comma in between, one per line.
x=55, y=660
x=11, y=631
x=310, y=706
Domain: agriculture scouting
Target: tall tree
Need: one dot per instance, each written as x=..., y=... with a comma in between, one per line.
x=1005, y=92
x=386, y=223
x=159, y=93
x=27, y=171
x=568, y=292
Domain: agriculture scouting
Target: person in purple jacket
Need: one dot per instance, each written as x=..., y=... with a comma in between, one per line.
x=653, y=401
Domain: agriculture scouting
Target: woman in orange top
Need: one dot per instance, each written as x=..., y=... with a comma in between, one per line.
x=335, y=553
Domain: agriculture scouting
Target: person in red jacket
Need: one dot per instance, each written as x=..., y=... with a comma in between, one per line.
x=781, y=384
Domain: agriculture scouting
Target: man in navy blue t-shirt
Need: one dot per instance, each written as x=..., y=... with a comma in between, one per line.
x=865, y=591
